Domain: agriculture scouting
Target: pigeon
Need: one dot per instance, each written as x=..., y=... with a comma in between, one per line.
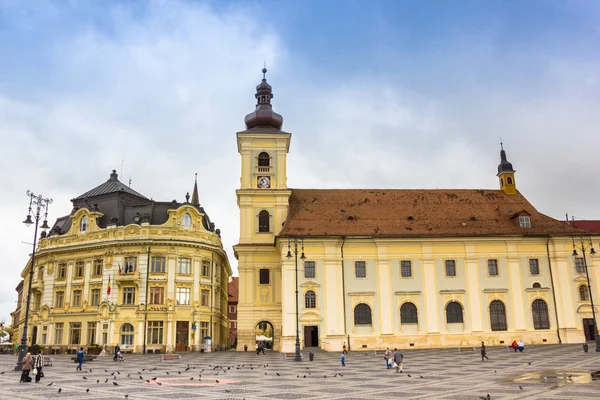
x=192, y=378
x=529, y=363
x=297, y=376
x=85, y=377
x=520, y=387
x=2, y=373
x=141, y=377
x=126, y=396
x=159, y=384
x=115, y=383
x=495, y=371
x=421, y=376
x=59, y=390
x=50, y=384
x=324, y=376
x=113, y=374
x=97, y=380
x=408, y=375
x=187, y=369
x=105, y=370
x=167, y=372
x=265, y=372
x=305, y=376
x=128, y=375
x=334, y=375
x=87, y=390
x=90, y=370
x=217, y=380
x=153, y=379
x=106, y=380
x=118, y=373
x=179, y=372
x=147, y=380
x=277, y=373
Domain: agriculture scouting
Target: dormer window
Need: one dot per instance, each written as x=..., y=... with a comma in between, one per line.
x=83, y=224
x=524, y=221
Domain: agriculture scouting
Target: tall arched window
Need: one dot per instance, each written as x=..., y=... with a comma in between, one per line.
x=498, y=316
x=264, y=221
x=454, y=313
x=584, y=294
x=83, y=224
x=408, y=314
x=264, y=160
x=362, y=315
x=127, y=334
x=310, y=299
x=539, y=310
x=509, y=180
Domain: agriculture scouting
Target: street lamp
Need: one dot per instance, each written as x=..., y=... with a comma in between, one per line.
x=294, y=249
x=41, y=206
x=583, y=247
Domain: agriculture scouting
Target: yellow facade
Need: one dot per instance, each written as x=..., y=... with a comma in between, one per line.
x=518, y=274
x=180, y=269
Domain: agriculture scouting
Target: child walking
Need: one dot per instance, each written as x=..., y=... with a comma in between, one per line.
x=343, y=360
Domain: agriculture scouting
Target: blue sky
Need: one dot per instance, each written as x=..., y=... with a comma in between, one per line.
x=377, y=94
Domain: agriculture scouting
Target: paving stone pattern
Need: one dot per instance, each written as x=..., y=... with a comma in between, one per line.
x=434, y=374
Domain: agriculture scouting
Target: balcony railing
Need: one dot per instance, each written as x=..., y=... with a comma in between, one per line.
x=263, y=170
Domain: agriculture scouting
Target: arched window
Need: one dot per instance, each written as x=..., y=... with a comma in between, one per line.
x=264, y=160
x=83, y=224
x=502, y=181
x=454, y=313
x=509, y=180
x=539, y=309
x=498, y=316
x=584, y=295
x=263, y=221
x=310, y=299
x=408, y=314
x=362, y=315
x=127, y=335
x=536, y=285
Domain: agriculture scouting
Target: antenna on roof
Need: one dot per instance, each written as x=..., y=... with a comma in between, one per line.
x=129, y=182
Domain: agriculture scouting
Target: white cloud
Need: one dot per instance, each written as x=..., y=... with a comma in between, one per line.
x=167, y=90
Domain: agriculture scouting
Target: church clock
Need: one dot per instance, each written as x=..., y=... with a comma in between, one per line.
x=264, y=182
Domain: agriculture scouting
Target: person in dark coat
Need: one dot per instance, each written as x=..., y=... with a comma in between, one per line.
x=398, y=358
x=80, y=357
x=483, y=352
x=117, y=350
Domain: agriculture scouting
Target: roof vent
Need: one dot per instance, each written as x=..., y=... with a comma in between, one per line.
x=473, y=218
x=410, y=218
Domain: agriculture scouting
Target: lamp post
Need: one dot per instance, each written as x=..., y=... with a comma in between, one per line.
x=41, y=207
x=294, y=249
x=583, y=248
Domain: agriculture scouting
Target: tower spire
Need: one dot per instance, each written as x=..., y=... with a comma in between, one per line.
x=264, y=116
x=506, y=173
x=195, y=200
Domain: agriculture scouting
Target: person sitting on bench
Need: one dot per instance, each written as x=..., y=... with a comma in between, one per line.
x=514, y=346
x=520, y=346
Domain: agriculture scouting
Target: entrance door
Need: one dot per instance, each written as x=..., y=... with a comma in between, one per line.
x=311, y=336
x=182, y=333
x=589, y=329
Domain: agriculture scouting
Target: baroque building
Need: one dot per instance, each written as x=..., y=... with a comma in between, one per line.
x=124, y=269
x=398, y=267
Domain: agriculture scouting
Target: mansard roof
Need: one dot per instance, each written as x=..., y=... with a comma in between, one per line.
x=112, y=185
x=414, y=213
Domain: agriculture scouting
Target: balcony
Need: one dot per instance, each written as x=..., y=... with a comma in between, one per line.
x=127, y=277
x=263, y=170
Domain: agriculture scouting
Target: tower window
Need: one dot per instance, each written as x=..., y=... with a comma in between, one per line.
x=502, y=181
x=509, y=180
x=264, y=221
x=264, y=160
x=263, y=276
x=525, y=221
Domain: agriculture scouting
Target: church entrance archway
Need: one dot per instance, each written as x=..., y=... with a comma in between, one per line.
x=265, y=334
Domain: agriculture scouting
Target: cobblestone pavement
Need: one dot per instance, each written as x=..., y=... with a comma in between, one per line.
x=543, y=372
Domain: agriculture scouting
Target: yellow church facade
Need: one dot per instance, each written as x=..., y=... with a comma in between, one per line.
x=124, y=269
x=398, y=268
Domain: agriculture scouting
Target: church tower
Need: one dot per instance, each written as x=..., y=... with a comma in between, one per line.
x=506, y=174
x=263, y=201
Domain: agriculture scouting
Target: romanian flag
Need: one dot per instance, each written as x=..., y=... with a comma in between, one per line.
x=108, y=288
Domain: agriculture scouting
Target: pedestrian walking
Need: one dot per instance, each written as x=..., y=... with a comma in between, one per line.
x=343, y=359
x=483, y=352
x=387, y=356
x=344, y=350
x=26, y=366
x=398, y=358
x=38, y=364
x=80, y=357
x=117, y=350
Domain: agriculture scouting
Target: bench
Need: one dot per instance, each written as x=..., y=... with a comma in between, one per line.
x=466, y=349
x=86, y=358
x=164, y=357
x=291, y=356
x=48, y=361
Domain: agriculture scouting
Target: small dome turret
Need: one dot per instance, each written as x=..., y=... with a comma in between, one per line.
x=504, y=165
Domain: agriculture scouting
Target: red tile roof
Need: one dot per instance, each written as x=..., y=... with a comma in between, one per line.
x=234, y=289
x=414, y=213
x=589, y=225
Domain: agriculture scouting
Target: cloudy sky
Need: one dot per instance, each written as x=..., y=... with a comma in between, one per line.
x=377, y=95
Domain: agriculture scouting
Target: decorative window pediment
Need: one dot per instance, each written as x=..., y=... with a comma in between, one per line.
x=310, y=285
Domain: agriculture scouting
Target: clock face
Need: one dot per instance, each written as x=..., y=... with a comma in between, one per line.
x=264, y=182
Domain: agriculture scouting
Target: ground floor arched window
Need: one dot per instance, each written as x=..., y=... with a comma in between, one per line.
x=498, y=316
x=539, y=310
x=127, y=335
